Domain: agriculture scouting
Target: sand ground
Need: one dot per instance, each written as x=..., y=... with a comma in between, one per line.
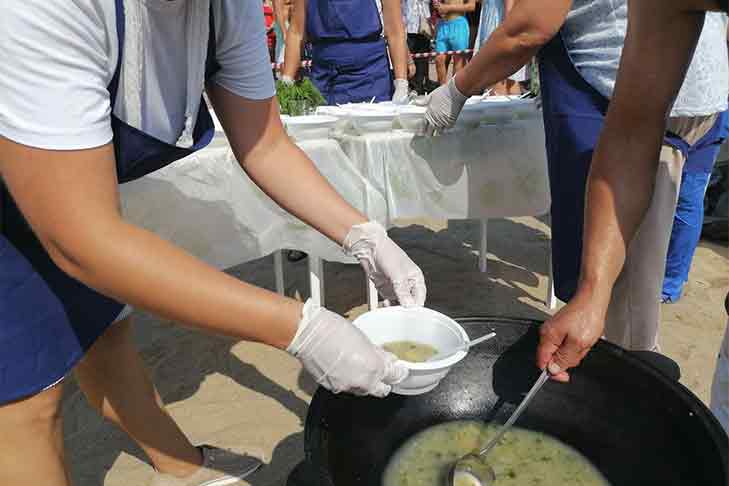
x=236, y=394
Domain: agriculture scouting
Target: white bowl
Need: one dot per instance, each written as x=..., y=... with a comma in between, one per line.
x=335, y=111
x=310, y=127
x=372, y=120
x=412, y=118
x=498, y=109
x=471, y=115
x=421, y=325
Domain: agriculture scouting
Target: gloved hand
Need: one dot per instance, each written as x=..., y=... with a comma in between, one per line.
x=287, y=80
x=444, y=106
x=394, y=274
x=341, y=358
x=402, y=92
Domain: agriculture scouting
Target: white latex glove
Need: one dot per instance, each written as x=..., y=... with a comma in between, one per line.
x=395, y=275
x=341, y=358
x=402, y=92
x=444, y=106
x=287, y=80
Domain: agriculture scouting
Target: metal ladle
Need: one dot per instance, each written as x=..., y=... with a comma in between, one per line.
x=473, y=468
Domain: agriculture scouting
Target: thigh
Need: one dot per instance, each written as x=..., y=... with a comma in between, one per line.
x=31, y=449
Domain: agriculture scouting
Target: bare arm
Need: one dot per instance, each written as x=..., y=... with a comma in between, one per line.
x=396, y=39
x=658, y=49
x=278, y=13
x=295, y=37
x=529, y=25
x=279, y=167
x=81, y=228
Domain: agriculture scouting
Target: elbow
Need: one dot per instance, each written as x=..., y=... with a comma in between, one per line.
x=529, y=30
x=72, y=262
x=530, y=40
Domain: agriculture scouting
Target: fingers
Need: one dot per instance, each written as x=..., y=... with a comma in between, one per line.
x=395, y=370
x=381, y=390
x=419, y=293
x=423, y=101
x=429, y=129
x=411, y=292
x=549, y=342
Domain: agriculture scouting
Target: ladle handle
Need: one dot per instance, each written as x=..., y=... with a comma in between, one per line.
x=481, y=339
x=514, y=416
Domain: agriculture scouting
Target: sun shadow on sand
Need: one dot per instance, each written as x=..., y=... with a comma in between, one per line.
x=183, y=361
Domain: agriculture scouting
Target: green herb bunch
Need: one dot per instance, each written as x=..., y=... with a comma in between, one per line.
x=298, y=98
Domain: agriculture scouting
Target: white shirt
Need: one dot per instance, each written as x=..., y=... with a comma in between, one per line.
x=594, y=34
x=413, y=11
x=57, y=58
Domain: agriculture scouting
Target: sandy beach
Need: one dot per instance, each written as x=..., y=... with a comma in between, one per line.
x=240, y=395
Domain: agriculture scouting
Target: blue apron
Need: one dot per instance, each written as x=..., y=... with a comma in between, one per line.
x=574, y=114
x=689, y=217
x=349, y=55
x=39, y=344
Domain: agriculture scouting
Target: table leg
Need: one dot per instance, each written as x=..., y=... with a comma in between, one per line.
x=482, y=259
x=373, y=297
x=551, y=298
x=316, y=279
x=278, y=271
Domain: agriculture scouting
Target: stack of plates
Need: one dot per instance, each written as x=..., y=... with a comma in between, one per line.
x=310, y=127
x=370, y=117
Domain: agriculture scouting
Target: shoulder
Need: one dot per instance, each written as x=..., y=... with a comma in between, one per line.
x=58, y=58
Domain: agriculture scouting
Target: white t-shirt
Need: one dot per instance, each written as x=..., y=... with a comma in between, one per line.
x=594, y=34
x=57, y=58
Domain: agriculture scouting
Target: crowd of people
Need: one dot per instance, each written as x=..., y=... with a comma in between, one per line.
x=98, y=93
x=443, y=33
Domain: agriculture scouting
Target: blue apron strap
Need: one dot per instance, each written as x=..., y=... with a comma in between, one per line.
x=212, y=65
x=673, y=140
x=114, y=84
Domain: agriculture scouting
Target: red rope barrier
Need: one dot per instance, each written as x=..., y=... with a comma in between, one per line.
x=423, y=55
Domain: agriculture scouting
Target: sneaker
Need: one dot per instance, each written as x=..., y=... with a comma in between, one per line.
x=220, y=467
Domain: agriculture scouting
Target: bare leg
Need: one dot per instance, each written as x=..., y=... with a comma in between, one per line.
x=115, y=382
x=441, y=67
x=513, y=87
x=499, y=89
x=31, y=448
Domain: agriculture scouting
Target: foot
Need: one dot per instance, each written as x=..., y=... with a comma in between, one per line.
x=220, y=467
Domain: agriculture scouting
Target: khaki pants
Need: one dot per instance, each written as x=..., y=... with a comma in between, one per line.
x=634, y=312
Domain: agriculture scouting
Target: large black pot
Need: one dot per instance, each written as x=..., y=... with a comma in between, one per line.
x=638, y=426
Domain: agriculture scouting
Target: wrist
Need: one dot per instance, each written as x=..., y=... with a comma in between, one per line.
x=462, y=84
x=303, y=316
x=594, y=288
x=456, y=91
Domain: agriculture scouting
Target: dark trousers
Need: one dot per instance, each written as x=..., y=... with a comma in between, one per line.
x=418, y=43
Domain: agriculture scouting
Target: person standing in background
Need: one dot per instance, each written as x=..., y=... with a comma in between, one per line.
x=350, y=61
x=270, y=34
x=689, y=218
x=452, y=35
x=416, y=17
x=492, y=14
x=282, y=12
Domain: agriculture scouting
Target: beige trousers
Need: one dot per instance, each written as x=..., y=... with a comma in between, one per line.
x=634, y=312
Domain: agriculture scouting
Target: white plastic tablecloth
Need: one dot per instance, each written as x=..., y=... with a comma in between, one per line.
x=207, y=205
x=487, y=172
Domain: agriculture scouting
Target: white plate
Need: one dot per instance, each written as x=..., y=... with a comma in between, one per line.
x=371, y=120
x=310, y=127
x=412, y=118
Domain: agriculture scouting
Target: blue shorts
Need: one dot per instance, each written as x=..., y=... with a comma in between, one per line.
x=453, y=35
